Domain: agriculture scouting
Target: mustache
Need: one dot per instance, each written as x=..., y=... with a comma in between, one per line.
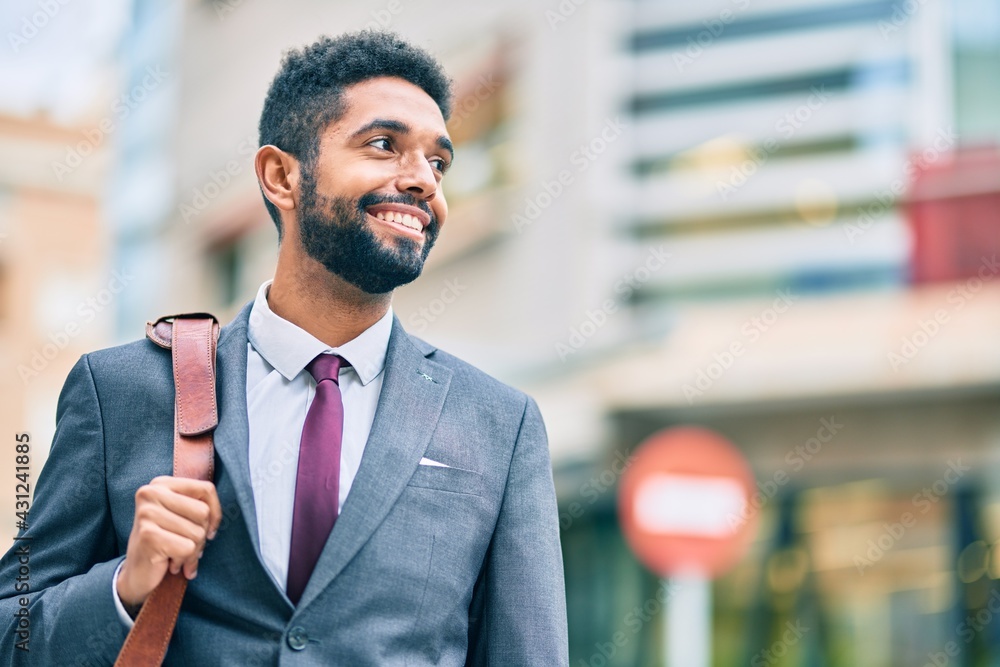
x=373, y=198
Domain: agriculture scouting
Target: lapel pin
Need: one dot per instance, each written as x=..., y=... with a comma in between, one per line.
x=427, y=377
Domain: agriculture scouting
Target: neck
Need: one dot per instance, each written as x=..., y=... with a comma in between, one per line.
x=312, y=298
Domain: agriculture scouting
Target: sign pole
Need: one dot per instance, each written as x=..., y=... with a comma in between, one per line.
x=688, y=622
x=682, y=503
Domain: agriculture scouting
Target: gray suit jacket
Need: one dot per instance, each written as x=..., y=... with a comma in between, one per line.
x=425, y=566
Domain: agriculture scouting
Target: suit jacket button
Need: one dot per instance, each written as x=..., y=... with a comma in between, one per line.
x=297, y=638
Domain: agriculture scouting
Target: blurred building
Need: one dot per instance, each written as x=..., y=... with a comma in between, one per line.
x=706, y=213
x=55, y=290
x=66, y=116
x=829, y=304
x=775, y=219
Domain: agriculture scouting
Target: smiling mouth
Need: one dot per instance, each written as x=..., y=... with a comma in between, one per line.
x=402, y=219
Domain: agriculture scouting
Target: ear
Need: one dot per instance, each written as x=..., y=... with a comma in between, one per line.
x=278, y=175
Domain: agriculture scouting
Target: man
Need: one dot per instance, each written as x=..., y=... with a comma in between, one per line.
x=444, y=546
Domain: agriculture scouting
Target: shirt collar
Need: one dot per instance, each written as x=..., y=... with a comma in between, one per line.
x=289, y=348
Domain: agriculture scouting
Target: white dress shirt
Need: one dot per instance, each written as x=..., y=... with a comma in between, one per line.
x=279, y=393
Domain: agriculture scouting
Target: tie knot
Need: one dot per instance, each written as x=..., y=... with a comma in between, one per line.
x=326, y=367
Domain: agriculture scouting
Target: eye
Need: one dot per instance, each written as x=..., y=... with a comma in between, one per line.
x=440, y=164
x=381, y=140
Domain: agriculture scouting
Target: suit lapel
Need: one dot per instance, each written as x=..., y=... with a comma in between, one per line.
x=410, y=403
x=232, y=437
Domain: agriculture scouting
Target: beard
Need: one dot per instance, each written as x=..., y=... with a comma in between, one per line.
x=337, y=233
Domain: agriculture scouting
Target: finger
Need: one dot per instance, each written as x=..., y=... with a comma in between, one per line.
x=190, y=569
x=214, y=510
x=190, y=565
x=200, y=490
x=182, y=515
x=176, y=524
x=165, y=545
x=174, y=498
x=190, y=509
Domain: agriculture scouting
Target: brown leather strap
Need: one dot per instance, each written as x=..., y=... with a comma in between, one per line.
x=192, y=339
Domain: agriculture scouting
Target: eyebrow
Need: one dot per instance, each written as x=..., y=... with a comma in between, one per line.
x=399, y=127
x=445, y=143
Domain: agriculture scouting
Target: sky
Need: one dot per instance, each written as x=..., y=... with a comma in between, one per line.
x=57, y=56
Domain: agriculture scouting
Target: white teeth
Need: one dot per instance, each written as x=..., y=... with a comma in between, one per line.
x=404, y=219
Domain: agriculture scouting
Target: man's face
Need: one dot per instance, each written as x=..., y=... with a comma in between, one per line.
x=371, y=205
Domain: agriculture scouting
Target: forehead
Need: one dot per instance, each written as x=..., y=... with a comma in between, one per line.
x=390, y=98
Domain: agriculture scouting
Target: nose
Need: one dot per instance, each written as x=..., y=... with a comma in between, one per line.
x=417, y=178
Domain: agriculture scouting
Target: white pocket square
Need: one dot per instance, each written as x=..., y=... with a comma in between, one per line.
x=430, y=462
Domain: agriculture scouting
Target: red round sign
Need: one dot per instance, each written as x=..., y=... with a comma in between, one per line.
x=684, y=500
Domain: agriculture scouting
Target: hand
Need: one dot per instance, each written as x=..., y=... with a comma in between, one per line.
x=174, y=516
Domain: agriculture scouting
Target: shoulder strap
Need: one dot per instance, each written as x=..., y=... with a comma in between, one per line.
x=192, y=338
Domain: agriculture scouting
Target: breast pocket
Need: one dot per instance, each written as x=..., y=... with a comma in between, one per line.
x=453, y=480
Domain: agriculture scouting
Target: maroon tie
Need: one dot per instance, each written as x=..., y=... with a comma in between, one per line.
x=317, y=484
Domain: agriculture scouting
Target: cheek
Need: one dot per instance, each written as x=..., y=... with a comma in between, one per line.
x=440, y=208
x=353, y=179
